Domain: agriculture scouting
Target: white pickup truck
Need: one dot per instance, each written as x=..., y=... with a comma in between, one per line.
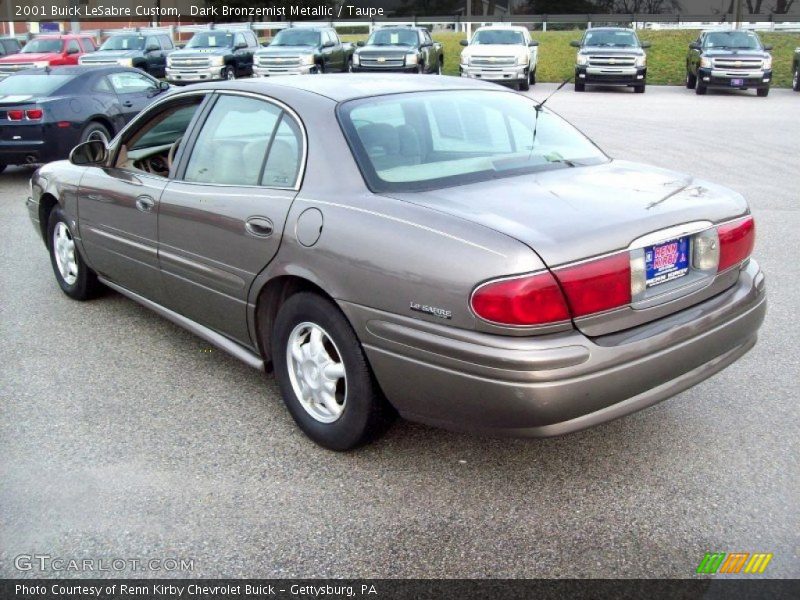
x=502, y=54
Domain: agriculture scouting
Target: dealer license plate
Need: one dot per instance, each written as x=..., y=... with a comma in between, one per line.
x=737, y=82
x=666, y=262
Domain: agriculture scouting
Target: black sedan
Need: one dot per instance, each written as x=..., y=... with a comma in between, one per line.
x=44, y=113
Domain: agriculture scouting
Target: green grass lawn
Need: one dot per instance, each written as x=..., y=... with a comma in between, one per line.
x=666, y=60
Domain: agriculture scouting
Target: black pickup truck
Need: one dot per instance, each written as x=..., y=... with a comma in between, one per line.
x=9, y=46
x=732, y=59
x=796, y=71
x=213, y=55
x=401, y=49
x=304, y=50
x=145, y=51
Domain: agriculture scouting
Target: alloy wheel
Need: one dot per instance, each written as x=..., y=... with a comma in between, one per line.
x=316, y=372
x=64, y=252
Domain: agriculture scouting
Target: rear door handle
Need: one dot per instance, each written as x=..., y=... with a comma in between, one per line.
x=259, y=226
x=127, y=104
x=145, y=203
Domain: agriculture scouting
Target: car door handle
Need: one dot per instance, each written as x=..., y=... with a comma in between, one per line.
x=145, y=203
x=259, y=226
x=127, y=104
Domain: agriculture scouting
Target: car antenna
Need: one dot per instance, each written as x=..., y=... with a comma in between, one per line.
x=538, y=109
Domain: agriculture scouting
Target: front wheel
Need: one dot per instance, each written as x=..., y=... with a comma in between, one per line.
x=323, y=375
x=229, y=73
x=580, y=87
x=532, y=77
x=796, y=80
x=440, y=68
x=691, y=81
x=2, y=167
x=348, y=66
x=639, y=89
x=523, y=85
x=762, y=92
x=700, y=89
x=74, y=277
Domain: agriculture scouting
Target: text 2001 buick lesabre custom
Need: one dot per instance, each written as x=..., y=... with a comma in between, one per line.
x=439, y=247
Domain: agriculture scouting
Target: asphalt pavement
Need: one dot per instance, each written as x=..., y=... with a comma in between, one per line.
x=123, y=436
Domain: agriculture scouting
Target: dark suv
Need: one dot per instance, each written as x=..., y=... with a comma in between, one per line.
x=729, y=59
x=145, y=51
x=403, y=49
x=9, y=45
x=213, y=55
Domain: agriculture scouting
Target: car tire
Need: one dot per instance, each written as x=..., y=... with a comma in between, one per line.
x=73, y=275
x=523, y=85
x=639, y=89
x=691, y=81
x=796, y=80
x=440, y=68
x=348, y=66
x=762, y=92
x=2, y=167
x=354, y=411
x=95, y=131
x=229, y=73
x=580, y=87
x=532, y=77
x=321, y=68
x=700, y=89
x=421, y=68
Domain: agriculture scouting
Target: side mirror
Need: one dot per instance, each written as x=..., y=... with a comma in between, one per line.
x=180, y=46
x=768, y=47
x=163, y=86
x=464, y=43
x=694, y=46
x=533, y=43
x=647, y=44
x=153, y=48
x=72, y=51
x=361, y=44
x=91, y=153
x=575, y=44
x=240, y=46
x=328, y=44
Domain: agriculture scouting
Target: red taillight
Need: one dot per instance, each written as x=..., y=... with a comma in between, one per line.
x=528, y=300
x=736, y=241
x=15, y=115
x=597, y=285
x=34, y=114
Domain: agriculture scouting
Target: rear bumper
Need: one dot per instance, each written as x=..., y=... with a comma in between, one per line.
x=29, y=152
x=611, y=75
x=718, y=78
x=560, y=383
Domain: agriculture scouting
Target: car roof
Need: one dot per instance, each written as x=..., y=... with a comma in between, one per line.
x=502, y=26
x=609, y=29
x=349, y=86
x=61, y=36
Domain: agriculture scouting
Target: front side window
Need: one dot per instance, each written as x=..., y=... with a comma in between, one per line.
x=239, y=40
x=87, y=44
x=421, y=141
x=497, y=36
x=73, y=48
x=130, y=83
x=166, y=42
x=42, y=46
x=246, y=141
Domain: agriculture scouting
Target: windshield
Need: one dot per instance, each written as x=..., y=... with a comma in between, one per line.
x=430, y=140
x=211, y=39
x=123, y=42
x=32, y=85
x=394, y=37
x=42, y=46
x=616, y=39
x=296, y=37
x=743, y=40
x=497, y=36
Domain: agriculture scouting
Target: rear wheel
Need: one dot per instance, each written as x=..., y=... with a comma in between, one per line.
x=74, y=277
x=691, y=81
x=95, y=131
x=580, y=87
x=324, y=376
x=762, y=92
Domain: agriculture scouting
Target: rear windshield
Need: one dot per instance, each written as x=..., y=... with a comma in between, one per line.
x=430, y=140
x=296, y=37
x=123, y=42
x=497, y=36
x=32, y=85
x=211, y=39
x=612, y=39
x=394, y=37
x=42, y=46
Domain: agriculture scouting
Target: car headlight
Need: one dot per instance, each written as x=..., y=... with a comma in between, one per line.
x=356, y=59
x=217, y=61
x=41, y=64
x=411, y=59
x=768, y=63
x=307, y=59
x=583, y=59
x=705, y=62
x=125, y=62
x=522, y=60
x=169, y=61
x=641, y=61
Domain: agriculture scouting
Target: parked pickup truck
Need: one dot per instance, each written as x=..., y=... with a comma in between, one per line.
x=611, y=56
x=502, y=54
x=401, y=49
x=796, y=71
x=213, y=55
x=303, y=50
x=733, y=59
x=145, y=51
x=9, y=45
x=47, y=51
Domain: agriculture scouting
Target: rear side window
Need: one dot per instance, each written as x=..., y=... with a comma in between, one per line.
x=129, y=83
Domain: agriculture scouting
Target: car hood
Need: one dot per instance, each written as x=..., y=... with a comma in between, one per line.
x=571, y=214
x=738, y=53
x=109, y=54
x=293, y=50
x=628, y=51
x=30, y=57
x=202, y=52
